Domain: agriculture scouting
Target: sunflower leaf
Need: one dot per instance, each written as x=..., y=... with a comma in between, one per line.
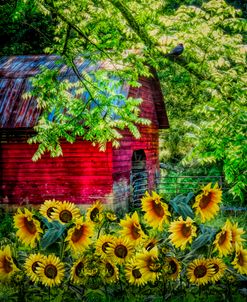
x=189, y=197
x=204, y=238
x=55, y=231
x=185, y=210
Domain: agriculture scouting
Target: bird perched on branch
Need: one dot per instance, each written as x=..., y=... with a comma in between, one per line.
x=175, y=52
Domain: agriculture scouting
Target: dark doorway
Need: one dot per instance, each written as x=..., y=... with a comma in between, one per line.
x=138, y=177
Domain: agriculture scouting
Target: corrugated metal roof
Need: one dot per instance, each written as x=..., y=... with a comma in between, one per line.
x=15, y=74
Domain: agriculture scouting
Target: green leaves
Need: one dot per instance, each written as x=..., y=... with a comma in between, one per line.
x=55, y=230
x=180, y=205
x=206, y=236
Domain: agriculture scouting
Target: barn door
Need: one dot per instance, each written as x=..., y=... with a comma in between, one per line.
x=138, y=177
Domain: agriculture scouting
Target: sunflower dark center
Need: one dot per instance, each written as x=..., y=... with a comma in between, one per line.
x=136, y=231
x=222, y=238
x=136, y=273
x=216, y=268
x=186, y=230
x=240, y=259
x=158, y=209
x=78, y=269
x=150, y=246
x=110, y=269
x=121, y=251
x=50, y=271
x=152, y=265
x=50, y=211
x=105, y=246
x=77, y=234
x=200, y=271
x=7, y=264
x=94, y=214
x=30, y=226
x=173, y=266
x=35, y=265
x=65, y=216
x=205, y=200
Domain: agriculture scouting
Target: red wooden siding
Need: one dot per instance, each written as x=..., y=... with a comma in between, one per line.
x=149, y=142
x=82, y=175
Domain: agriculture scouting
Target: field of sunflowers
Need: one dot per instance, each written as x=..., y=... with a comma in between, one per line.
x=162, y=251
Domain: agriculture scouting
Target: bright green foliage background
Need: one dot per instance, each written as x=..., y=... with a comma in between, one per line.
x=205, y=88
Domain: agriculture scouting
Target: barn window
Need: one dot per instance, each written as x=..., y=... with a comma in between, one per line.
x=139, y=176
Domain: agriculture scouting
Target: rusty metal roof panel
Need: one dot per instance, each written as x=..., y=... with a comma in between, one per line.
x=15, y=74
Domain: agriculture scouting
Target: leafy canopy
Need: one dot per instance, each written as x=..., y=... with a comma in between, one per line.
x=205, y=88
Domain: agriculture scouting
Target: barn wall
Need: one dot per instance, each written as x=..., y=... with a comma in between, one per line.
x=148, y=142
x=82, y=175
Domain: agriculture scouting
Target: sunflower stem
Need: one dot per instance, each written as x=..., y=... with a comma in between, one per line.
x=49, y=292
x=100, y=228
x=62, y=249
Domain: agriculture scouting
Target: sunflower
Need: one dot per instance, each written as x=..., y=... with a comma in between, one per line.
x=66, y=212
x=240, y=261
x=223, y=240
x=48, y=207
x=207, y=203
x=150, y=243
x=94, y=213
x=182, y=232
x=120, y=250
x=236, y=236
x=156, y=211
x=77, y=271
x=28, y=228
x=50, y=271
x=102, y=244
x=78, y=237
x=219, y=269
x=171, y=268
x=111, y=216
x=148, y=264
x=7, y=266
x=31, y=265
x=134, y=275
x=200, y=272
x=109, y=271
x=132, y=228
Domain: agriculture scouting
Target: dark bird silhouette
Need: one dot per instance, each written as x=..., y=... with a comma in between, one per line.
x=176, y=51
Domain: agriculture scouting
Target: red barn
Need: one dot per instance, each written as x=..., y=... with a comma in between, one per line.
x=83, y=173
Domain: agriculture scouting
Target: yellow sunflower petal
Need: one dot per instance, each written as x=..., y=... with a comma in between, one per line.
x=200, y=272
x=236, y=236
x=51, y=271
x=120, y=250
x=240, y=261
x=223, y=240
x=66, y=212
x=132, y=228
x=95, y=212
x=148, y=264
x=156, y=211
x=102, y=244
x=7, y=266
x=31, y=265
x=78, y=237
x=182, y=232
x=207, y=203
x=29, y=229
x=48, y=207
x=219, y=269
x=109, y=271
x=134, y=275
x=171, y=268
x=77, y=271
